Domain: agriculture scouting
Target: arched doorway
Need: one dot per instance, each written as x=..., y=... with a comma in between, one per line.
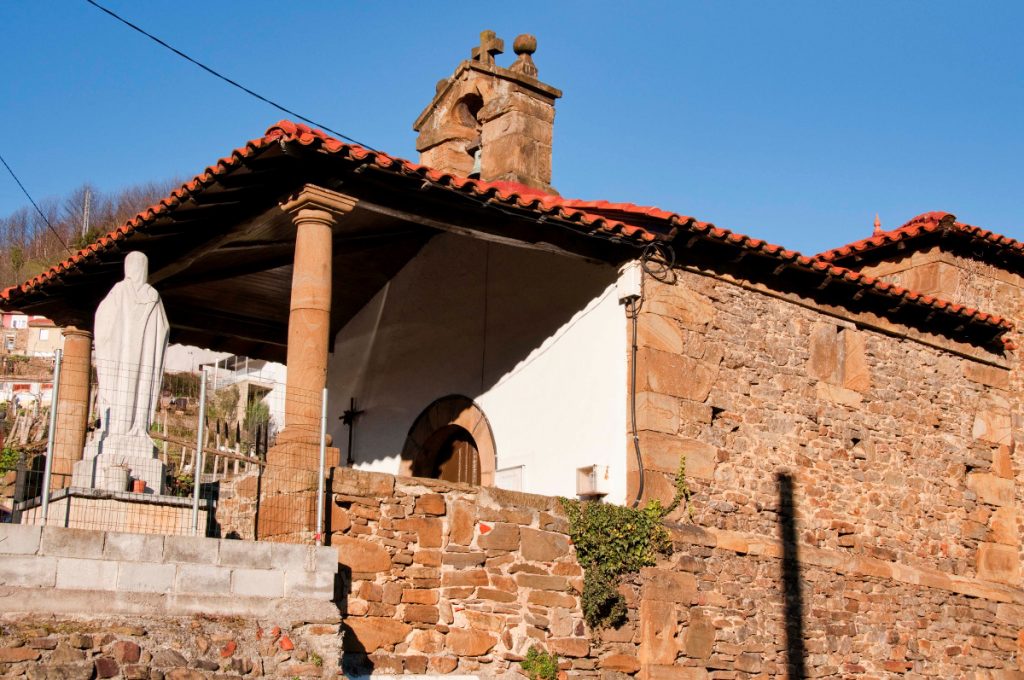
x=451, y=454
x=451, y=440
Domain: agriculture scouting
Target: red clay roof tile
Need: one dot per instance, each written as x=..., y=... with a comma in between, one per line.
x=584, y=212
x=926, y=223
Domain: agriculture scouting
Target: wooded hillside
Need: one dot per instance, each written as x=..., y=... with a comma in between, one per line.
x=28, y=246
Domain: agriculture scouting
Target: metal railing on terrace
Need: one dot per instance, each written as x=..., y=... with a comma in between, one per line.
x=173, y=453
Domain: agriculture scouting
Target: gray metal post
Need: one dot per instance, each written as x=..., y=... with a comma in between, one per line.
x=48, y=470
x=197, y=460
x=320, y=479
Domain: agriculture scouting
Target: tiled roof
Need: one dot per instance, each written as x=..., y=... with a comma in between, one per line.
x=614, y=220
x=507, y=193
x=927, y=223
x=818, y=263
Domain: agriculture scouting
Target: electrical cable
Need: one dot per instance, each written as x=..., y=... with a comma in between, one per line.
x=227, y=80
x=36, y=206
x=634, y=314
x=291, y=112
x=657, y=260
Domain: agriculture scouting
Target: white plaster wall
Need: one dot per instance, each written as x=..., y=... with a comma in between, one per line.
x=538, y=340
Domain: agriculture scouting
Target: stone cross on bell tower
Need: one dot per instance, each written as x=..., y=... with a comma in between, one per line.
x=492, y=122
x=490, y=45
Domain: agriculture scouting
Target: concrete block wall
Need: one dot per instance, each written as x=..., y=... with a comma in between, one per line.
x=99, y=572
x=80, y=603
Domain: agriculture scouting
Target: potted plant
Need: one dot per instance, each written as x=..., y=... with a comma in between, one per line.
x=117, y=477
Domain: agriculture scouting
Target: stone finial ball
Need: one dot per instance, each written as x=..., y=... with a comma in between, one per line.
x=441, y=84
x=525, y=44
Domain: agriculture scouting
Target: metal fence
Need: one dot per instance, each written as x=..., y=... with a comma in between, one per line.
x=120, y=448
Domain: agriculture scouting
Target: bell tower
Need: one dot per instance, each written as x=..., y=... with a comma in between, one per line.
x=489, y=122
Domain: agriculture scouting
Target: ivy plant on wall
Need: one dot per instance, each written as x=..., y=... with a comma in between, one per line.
x=613, y=541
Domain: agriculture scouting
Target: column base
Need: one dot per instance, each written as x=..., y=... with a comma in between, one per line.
x=288, y=488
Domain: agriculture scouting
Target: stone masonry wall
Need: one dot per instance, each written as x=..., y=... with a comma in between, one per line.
x=732, y=606
x=954, y=277
x=899, y=451
x=442, y=578
x=80, y=603
x=157, y=648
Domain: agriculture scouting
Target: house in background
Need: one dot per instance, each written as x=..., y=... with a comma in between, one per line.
x=256, y=382
x=29, y=343
x=30, y=336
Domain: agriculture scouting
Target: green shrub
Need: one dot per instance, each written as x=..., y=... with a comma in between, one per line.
x=540, y=665
x=612, y=541
x=9, y=458
x=180, y=485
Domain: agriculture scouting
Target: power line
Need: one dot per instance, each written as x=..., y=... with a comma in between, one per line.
x=427, y=182
x=231, y=82
x=34, y=205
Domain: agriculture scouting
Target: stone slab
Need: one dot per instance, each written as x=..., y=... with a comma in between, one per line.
x=133, y=547
x=202, y=578
x=29, y=571
x=257, y=582
x=246, y=554
x=61, y=542
x=19, y=539
x=82, y=574
x=191, y=549
x=95, y=603
x=315, y=584
x=145, y=577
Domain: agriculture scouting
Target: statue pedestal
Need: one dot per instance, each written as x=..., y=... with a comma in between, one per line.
x=107, y=457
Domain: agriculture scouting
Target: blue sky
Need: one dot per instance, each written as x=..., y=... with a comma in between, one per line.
x=794, y=122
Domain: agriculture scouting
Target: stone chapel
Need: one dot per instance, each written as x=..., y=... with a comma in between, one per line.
x=494, y=333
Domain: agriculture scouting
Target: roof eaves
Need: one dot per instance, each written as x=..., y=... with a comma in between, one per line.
x=922, y=225
x=573, y=211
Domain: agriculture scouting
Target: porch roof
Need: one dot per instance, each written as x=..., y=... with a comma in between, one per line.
x=220, y=248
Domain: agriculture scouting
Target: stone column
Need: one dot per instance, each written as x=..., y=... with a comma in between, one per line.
x=314, y=211
x=287, y=502
x=72, y=404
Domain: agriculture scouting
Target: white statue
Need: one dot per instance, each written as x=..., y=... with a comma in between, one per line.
x=131, y=333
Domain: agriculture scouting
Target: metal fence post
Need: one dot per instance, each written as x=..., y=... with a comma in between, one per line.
x=320, y=480
x=48, y=469
x=197, y=460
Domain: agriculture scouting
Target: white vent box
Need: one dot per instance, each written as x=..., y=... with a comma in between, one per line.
x=593, y=480
x=628, y=285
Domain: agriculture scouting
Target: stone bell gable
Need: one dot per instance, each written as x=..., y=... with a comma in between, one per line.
x=489, y=122
x=936, y=254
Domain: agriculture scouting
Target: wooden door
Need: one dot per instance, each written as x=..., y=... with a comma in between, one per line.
x=458, y=459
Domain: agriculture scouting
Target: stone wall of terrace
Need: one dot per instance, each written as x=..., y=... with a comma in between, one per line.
x=87, y=604
x=442, y=578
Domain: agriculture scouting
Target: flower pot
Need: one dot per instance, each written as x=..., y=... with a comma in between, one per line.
x=116, y=478
x=139, y=486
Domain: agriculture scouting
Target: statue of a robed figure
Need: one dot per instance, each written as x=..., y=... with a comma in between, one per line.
x=131, y=334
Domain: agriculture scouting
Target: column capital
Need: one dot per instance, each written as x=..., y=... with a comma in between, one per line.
x=311, y=199
x=76, y=331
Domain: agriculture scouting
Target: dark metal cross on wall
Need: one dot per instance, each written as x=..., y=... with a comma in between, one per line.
x=349, y=419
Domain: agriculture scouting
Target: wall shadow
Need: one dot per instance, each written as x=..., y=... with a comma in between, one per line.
x=792, y=590
x=464, y=318
x=355, y=661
